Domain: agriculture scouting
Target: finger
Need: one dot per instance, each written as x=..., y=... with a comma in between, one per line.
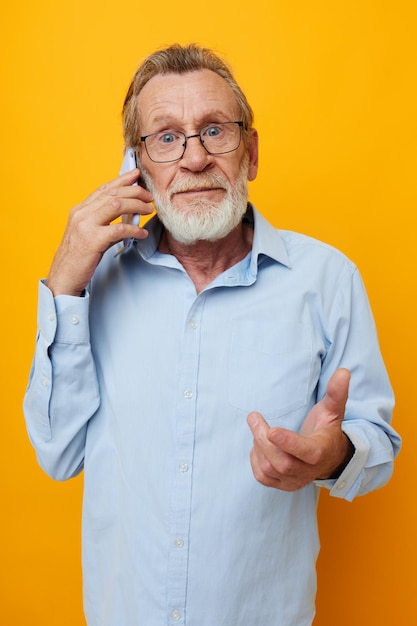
x=110, y=188
x=267, y=440
x=124, y=206
x=305, y=449
x=259, y=426
x=267, y=458
x=133, y=191
x=119, y=231
x=260, y=453
x=111, y=204
x=266, y=478
x=272, y=464
x=128, y=178
x=337, y=392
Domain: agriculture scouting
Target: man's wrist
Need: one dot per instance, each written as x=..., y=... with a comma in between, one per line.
x=350, y=451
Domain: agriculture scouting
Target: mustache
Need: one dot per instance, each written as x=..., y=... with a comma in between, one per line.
x=189, y=183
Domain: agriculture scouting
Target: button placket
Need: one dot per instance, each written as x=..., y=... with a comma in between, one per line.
x=182, y=485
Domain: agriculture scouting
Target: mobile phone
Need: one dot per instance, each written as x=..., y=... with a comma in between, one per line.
x=129, y=163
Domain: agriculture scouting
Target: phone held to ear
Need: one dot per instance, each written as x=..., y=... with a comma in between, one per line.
x=129, y=163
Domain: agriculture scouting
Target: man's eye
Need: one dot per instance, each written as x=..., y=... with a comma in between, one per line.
x=213, y=131
x=167, y=138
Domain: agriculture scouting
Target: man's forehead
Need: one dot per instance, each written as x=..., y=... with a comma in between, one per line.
x=173, y=95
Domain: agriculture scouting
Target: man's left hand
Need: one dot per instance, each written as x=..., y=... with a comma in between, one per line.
x=288, y=460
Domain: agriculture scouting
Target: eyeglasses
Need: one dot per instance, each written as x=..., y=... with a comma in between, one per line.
x=170, y=145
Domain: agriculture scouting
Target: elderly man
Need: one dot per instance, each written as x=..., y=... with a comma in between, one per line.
x=200, y=374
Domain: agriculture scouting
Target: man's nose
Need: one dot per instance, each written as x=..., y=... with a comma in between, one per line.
x=195, y=157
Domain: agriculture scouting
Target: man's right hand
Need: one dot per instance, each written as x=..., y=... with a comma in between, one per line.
x=90, y=232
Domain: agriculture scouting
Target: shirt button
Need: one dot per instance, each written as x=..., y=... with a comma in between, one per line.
x=192, y=324
x=175, y=616
x=188, y=394
x=179, y=542
x=45, y=381
x=75, y=319
x=51, y=316
x=341, y=485
x=183, y=467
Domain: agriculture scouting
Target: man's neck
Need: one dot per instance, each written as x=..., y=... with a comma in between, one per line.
x=205, y=260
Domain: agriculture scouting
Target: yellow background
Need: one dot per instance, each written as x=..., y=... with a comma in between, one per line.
x=333, y=86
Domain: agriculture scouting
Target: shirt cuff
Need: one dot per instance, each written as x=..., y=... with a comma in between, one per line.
x=347, y=484
x=64, y=318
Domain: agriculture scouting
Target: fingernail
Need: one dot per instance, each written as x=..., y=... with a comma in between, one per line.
x=253, y=419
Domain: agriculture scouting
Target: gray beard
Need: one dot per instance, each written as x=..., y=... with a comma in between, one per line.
x=202, y=219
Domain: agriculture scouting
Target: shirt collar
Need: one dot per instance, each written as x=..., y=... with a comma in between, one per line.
x=267, y=240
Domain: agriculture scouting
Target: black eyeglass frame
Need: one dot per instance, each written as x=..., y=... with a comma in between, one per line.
x=184, y=145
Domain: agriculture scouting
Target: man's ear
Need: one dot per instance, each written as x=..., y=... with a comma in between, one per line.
x=253, y=155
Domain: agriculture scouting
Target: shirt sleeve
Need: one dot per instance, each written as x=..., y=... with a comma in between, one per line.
x=353, y=343
x=62, y=393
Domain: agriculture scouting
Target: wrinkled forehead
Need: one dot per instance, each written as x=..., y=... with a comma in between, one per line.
x=198, y=96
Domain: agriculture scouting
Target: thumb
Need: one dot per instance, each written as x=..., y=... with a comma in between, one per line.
x=337, y=392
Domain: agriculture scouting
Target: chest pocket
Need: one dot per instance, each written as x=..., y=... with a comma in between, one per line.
x=269, y=368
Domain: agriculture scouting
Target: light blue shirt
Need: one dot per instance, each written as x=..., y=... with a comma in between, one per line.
x=147, y=386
